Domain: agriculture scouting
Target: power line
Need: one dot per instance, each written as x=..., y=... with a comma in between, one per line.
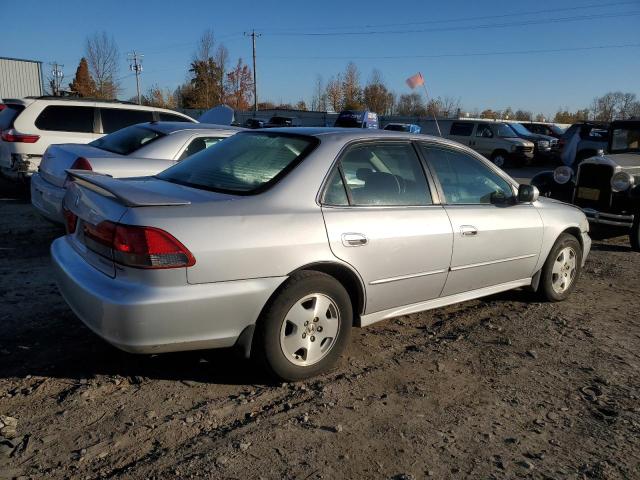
x=135, y=65
x=448, y=29
x=464, y=19
x=466, y=54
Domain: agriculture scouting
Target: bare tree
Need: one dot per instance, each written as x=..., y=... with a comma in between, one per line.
x=102, y=56
x=319, y=100
x=411, y=104
x=334, y=93
x=221, y=59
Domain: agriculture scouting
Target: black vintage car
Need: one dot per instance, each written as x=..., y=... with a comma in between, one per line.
x=607, y=185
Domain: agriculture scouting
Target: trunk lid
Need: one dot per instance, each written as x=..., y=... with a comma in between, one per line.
x=58, y=158
x=95, y=198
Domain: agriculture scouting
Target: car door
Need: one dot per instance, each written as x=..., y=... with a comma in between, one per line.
x=495, y=239
x=482, y=139
x=382, y=218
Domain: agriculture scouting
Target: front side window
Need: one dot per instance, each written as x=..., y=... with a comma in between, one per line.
x=126, y=140
x=63, y=118
x=114, y=119
x=384, y=174
x=484, y=131
x=246, y=163
x=465, y=179
x=198, y=144
x=505, y=131
x=462, y=129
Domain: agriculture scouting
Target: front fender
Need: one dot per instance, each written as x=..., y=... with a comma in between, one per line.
x=548, y=187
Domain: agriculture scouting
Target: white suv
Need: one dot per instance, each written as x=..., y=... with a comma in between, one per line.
x=29, y=125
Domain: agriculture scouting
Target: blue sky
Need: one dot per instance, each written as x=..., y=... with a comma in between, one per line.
x=166, y=32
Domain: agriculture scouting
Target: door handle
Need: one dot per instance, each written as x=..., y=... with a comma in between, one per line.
x=354, y=239
x=468, y=231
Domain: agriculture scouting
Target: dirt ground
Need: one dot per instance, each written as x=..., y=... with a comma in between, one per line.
x=503, y=387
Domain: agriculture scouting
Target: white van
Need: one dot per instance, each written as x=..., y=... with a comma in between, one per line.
x=29, y=125
x=493, y=139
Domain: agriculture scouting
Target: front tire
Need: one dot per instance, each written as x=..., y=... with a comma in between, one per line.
x=562, y=269
x=499, y=158
x=305, y=328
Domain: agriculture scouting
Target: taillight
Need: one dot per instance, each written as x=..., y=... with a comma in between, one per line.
x=81, y=163
x=2, y=106
x=12, y=136
x=70, y=220
x=138, y=247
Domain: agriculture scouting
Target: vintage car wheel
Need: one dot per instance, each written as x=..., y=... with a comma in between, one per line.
x=634, y=236
x=562, y=269
x=305, y=328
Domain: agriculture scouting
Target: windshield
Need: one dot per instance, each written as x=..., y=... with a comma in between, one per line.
x=625, y=140
x=127, y=140
x=518, y=128
x=556, y=129
x=243, y=164
x=505, y=131
x=349, y=120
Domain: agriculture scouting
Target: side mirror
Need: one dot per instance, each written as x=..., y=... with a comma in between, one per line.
x=527, y=193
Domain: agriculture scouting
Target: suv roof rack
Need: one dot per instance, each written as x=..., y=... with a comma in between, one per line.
x=80, y=99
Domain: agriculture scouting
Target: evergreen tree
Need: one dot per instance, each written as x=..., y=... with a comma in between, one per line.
x=83, y=84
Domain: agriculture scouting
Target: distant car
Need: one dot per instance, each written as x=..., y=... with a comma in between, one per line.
x=29, y=125
x=255, y=123
x=403, y=127
x=264, y=242
x=548, y=129
x=605, y=186
x=593, y=137
x=543, y=144
x=357, y=119
x=280, y=121
x=138, y=150
x=493, y=139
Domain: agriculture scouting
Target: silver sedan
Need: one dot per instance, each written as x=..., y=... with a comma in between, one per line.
x=281, y=241
x=138, y=150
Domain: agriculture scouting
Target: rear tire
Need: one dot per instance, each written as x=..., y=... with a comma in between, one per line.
x=634, y=236
x=305, y=328
x=561, y=270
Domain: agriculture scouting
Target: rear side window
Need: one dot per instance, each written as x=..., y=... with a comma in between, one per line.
x=246, y=163
x=170, y=117
x=63, y=118
x=126, y=140
x=116, y=118
x=461, y=129
x=8, y=114
x=382, y=174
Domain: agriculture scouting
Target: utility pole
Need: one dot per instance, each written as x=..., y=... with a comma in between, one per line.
x=253, y=36
x=135, y=65
x=56, y=78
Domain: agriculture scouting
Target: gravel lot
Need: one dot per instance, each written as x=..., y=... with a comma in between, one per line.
x=502, y=387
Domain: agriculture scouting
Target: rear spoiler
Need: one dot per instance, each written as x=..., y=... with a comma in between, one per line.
x=127, y=193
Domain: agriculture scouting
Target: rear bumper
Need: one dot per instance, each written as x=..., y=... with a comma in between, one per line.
x=603, y=218
x=47, y=198
x=151, y=319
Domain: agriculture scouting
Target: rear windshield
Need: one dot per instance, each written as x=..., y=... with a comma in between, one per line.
x=243, y=164
x=8, y=114
x=350, y=120
x=127, y=140
x=396, y=127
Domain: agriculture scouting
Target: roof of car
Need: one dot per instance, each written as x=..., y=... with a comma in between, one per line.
x=171, y=127
x=351, y=133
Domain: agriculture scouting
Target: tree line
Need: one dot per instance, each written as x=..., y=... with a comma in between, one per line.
x=211, y=79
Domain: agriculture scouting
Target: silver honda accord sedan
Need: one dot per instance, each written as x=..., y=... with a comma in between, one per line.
x=280, y=241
